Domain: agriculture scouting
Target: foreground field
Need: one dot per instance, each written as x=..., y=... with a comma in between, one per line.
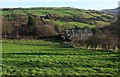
x=37, y=57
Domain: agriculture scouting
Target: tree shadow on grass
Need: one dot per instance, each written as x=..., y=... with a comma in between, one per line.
x=38, y=54
x=39, y=64
x=62, y=54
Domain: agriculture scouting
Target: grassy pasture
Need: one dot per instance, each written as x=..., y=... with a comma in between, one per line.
x=38, y=57
x=63, y=24
x=40, y=12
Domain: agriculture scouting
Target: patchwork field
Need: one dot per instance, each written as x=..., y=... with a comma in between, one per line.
x=38, y=57
x=64, y=14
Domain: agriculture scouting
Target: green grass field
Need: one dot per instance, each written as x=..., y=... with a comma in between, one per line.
x=38, y=57
x=42, y=12
x=63, y=24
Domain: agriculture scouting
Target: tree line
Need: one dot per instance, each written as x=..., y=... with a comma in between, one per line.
x=106, y=38
x=28, y=26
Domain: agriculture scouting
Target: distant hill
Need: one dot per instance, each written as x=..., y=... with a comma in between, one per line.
x=50, y=21
x=64, y=17
x=111, y=11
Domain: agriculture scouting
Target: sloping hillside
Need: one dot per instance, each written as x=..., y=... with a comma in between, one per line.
x=65, y=16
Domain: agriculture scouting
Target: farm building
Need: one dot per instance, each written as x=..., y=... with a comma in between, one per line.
x=81, y=34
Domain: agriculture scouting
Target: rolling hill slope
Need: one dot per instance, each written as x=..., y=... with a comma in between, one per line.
x=70, y=16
